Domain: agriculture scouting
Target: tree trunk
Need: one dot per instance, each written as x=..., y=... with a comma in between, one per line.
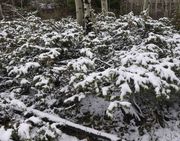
x=13, y=4
x=178, y=11
x=21, y=4
x=79, y=11
x=156, y=8
x=170, y=8
x=1, y=12
x=87, y=9
x=104, y=6
x=165, y=8
x=131, y=6
x=88, y=16
x=146, y=6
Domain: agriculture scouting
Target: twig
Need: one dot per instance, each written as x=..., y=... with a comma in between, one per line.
x=137, y=106
x=96, y=59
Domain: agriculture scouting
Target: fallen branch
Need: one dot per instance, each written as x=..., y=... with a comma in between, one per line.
x=75, y=127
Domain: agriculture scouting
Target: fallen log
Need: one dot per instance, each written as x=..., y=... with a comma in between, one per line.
x=75, y=127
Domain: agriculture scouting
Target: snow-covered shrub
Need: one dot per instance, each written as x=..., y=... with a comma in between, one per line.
x=54, y=66
x=130, y=54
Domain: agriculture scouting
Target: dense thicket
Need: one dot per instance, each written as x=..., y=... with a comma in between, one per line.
x=123, y=77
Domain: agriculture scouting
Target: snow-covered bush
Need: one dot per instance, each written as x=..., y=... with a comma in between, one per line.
x=130, y=55
x=53, y=66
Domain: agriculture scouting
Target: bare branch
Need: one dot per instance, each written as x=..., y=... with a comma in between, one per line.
x=13, y=9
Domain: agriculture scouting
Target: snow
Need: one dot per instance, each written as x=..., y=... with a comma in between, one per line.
x=77, y=126
x=59, y=69
x=5, y=135
x=145, y=137
x=52, y=54
x=23, y=69
x=41, y=81
x=124, y=104
x=166, y=134
x=3, y=34
x=35, y=120
x=24, y=131
x=65, y=137
x=24, y=81
x=105, y=90
x=124, y=90
x=53, y=126
x=94, y=105
x=56, y=68
x=87, y=51
x=18, y=105
x=115, y=104
x=81, y=64
x=78, y=96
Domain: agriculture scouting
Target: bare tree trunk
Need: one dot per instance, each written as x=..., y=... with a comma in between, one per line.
x=13, y=4
x=131, y=6
x=21, y=4
x=178, y=11
x=170, y=8
x=120, y=7
x=79, y=11
x=1, y=12
x=165, y=8
x=67, y=3
x=104, y=6
x=156, y=8
x=141, y=5
x=146, y=6
x=87, y=9
x=88, y=19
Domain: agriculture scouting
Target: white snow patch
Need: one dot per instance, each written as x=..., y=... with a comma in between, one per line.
x=81, y=64
x=23, y=69
x=5, y=135
x=105, y=90
x=35, y=120
x=24, y=131
x=41, y=81
x=52, y=54
x=72, y=98
x=166, y=134
x=3, y=34
x=18, y=105
x=24, y=81
x=87, y=51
